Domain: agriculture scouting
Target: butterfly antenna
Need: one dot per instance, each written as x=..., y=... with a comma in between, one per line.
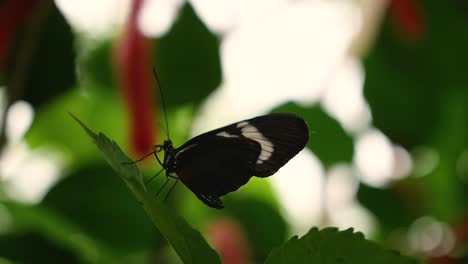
x=163, y=128
x=162, y=99
x=138, y=160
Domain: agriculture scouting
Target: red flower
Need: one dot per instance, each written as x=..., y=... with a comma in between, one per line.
x=133, y=53
x=229, y=240
x=408, y=18
x=13, y=15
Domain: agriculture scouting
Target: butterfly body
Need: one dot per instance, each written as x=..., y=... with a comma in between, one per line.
x=222, y=160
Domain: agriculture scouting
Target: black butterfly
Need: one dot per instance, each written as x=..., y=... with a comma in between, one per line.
x=222, y=160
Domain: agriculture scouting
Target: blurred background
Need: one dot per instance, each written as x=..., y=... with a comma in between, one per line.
x=383, y=85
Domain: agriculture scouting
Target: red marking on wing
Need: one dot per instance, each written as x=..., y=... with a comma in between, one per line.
x=184, y=175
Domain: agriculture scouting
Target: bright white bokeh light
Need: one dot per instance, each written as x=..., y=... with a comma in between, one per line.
x=372, y=14
x=403, y=163
x=374, y=158
x=28, y=175
x=218, y=16
x=217, y=110
x=429, y=236
x=224, y=15
x=352, y=215
x=19, y=118
x=299, y=185
x=287, y=56
x=96, y=18
x=341, y=185
x=342, y=209
x=344, y=99
x=13, y=157
x=157, y=16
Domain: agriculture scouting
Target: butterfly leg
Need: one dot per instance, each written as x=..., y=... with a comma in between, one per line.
x=154, y=176
x=168, y=177
x=172, y=187
x=164, y=185
x=157, y=158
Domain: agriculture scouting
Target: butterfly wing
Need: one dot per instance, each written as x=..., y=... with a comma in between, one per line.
x=216, y=166
x=281, y=137
x=220, y=161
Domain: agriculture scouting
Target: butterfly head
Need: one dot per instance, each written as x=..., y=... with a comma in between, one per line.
x=169, y=161
x=166, y=147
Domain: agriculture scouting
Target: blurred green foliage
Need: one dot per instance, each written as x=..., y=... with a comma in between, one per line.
x=418, y=95
x=47, y=69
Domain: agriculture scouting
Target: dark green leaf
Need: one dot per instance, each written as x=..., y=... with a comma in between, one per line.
x=187, y=242
x=97, y=67
x=328, y=140
x=330, y=246
x=188, y=60
x=53, y=126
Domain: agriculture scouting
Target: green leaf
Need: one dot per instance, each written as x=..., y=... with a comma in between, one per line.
x=187, y=242
x=95, y=66
x=53, y=127
x=188, y=60
x=328, y=140
x=329, y=246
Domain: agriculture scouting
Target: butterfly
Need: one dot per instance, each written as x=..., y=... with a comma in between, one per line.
x=222, y=160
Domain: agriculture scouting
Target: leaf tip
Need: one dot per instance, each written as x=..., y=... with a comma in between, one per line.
x=88, y=131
